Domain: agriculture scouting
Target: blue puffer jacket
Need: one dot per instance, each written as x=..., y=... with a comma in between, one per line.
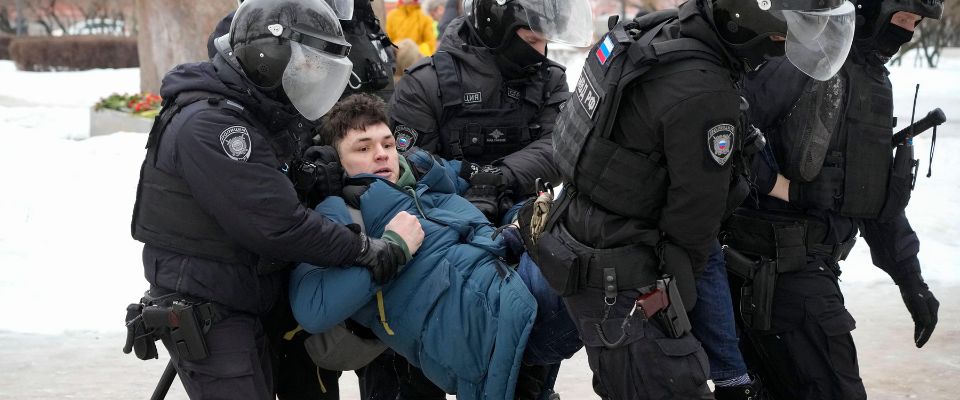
x=455, y=311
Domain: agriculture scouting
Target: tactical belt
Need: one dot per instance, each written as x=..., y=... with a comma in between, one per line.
x=626, y=267
x=784, y=239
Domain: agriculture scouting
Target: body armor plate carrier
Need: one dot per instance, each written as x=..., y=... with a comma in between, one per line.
x=623, y=181
x=482, y=135
x=167, y=216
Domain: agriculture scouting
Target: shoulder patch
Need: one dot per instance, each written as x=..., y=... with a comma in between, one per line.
x=406, y=137
x=586, y=94
x=720, y=141
x=236, y=143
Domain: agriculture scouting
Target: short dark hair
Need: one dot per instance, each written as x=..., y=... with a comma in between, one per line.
x=357, y=111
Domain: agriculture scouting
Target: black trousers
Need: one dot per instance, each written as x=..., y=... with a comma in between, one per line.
x=238, y=365
x=809, y=352
x=646, y=364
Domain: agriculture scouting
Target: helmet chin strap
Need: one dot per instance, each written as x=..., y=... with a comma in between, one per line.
x=222, y=44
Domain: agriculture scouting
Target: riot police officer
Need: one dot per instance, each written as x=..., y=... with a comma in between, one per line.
x=830, y=173
x=646, y=145
x=316, y=174
x=219, y=218
x=490, y=96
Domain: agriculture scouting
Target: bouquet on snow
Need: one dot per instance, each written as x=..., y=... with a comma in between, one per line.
x=145, y=105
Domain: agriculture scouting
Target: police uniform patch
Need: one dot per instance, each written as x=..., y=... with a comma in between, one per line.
x=586, y=94
x=236, y=143
x=720, y=142
x=472, y=98
x=406, y=137
x=496, y=136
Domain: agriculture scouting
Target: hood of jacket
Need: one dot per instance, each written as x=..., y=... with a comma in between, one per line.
x=219, y=78
x=460, y=42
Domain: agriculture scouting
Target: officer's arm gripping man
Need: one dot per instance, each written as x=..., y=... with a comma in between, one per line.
x=696, y=197
x=894, y=247
x=536, y=159
x=413, y=106
x=253, y=200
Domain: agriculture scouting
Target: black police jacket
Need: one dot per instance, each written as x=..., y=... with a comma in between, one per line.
x=501, y=111
x=772, y=93
x=672, y=111
x=228, y=157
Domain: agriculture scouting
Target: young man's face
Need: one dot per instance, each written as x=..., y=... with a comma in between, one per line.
x=370, y=151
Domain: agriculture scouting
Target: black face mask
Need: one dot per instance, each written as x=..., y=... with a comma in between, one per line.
x=888, y=42
x=517, y=59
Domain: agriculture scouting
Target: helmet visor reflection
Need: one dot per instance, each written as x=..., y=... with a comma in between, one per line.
x=561, y=21
x=314, y=80
x=342, y=8
x=818, y=41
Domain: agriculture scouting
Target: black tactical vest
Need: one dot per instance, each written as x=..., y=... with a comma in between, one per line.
x=167, y=216
x=859, y=143
x=371, y=53
x=865, y=138
x=482, y=135
x=626, y=182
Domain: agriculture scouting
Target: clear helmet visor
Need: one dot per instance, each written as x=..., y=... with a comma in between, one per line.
x=818, y=41
x=561, y=21
x=314, y=80
x=342, y=8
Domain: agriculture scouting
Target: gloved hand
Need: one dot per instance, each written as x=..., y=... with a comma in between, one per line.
x=319, y=174
x=382, y=257
x=822, y=193
x=922, y=307
x=487, y=188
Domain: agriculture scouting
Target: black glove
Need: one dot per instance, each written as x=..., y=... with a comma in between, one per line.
x=318, y=175
x=822, y=193
x=488, y=189
x=922, y=307
x=382, y=257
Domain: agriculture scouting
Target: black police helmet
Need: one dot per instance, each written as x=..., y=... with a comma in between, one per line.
x=263, y=53
x=873, y=15
x=747, y=25
x=495, y=20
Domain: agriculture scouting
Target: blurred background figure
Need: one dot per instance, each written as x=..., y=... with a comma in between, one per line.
x=408, y=21
x=435, y=10
x=453, y=9
x=407, y=54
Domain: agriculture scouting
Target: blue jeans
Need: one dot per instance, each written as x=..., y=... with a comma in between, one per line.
x=713, y=321
x=554, y=336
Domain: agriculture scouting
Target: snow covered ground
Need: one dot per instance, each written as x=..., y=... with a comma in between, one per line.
x=68, y=266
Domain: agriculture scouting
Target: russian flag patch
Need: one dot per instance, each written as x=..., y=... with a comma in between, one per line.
x=604, y=50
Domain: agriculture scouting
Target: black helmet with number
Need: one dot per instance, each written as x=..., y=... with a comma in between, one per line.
x=296, y=47
x=882, y=39
x=814, y=34
x=560, y=21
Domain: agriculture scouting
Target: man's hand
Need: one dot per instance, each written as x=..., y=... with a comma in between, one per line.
x=319, y=174
x=408, y=228
x=822, y=193
x=922, y=306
